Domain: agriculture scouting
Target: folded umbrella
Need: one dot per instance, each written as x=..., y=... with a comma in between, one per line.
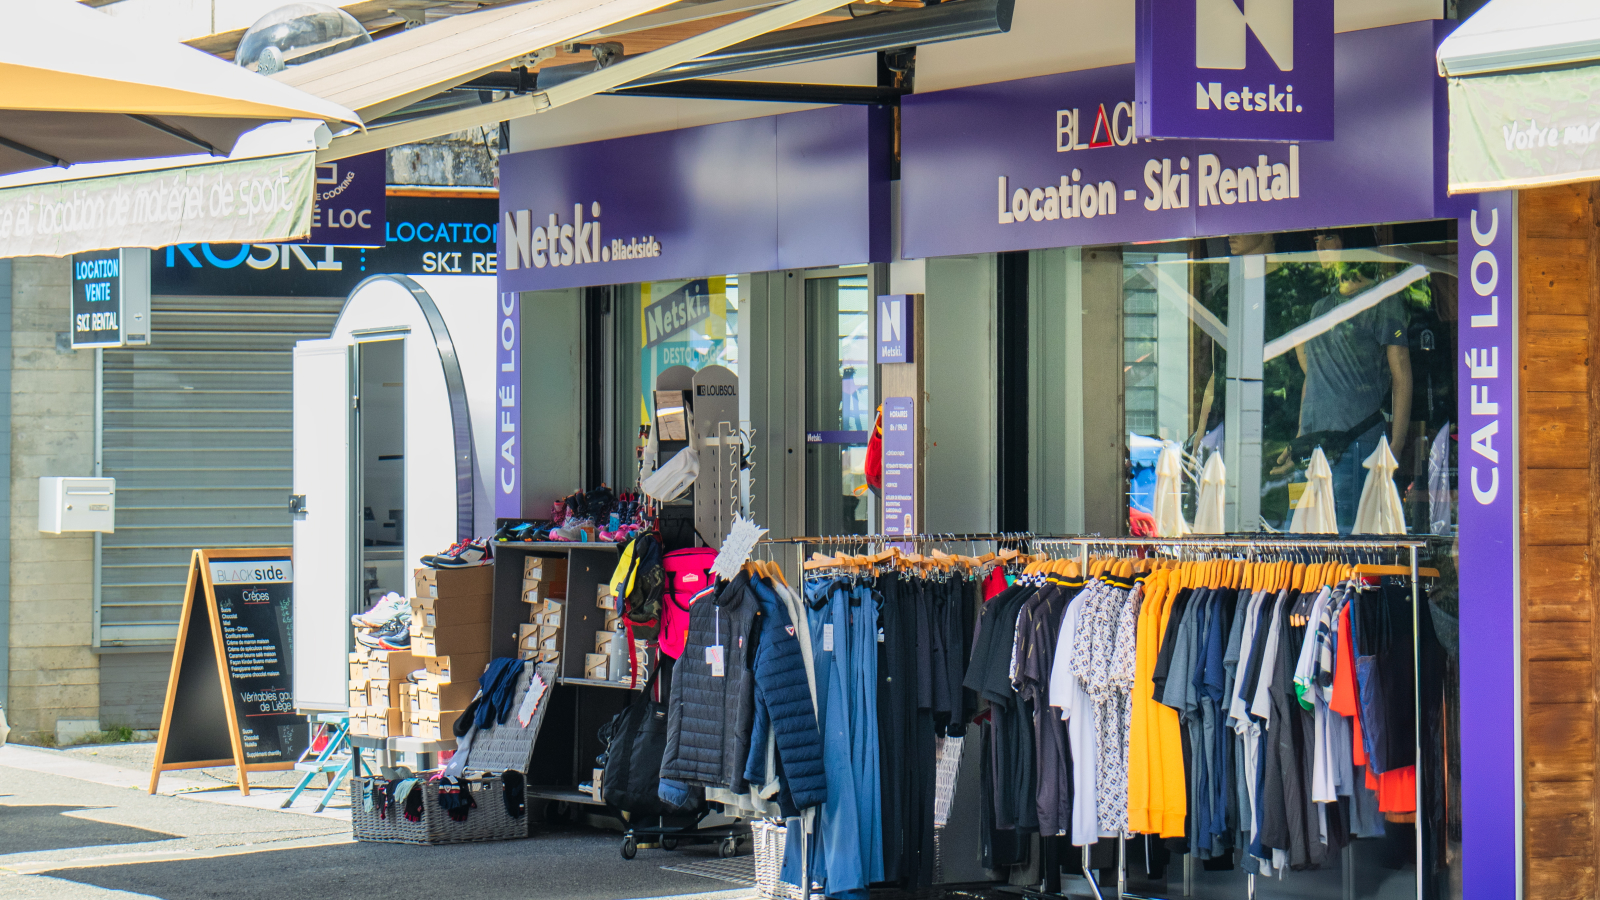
x=1315, y=513
x=1168, y=505
x=1380, y=511
x=1208, y=515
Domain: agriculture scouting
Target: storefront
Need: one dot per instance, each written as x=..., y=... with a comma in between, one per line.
x=197, y=427
x=1268, y=304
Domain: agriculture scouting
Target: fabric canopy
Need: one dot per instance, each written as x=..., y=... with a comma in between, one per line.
x=1521, y=77
x=1522, y=34
x=387, y=75
x=81, y=86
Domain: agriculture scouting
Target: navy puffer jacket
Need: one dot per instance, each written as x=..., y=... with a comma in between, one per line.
x=784, y=707
x=708, y=717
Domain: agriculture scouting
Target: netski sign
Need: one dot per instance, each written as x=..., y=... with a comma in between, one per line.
x=1056, y=161
x=802, y=189
x=1213, y=69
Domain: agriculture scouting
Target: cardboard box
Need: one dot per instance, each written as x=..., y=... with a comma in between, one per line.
x=448, y=583
x=433, y=696
x=463, y=610
x=386, y=723
x=549, y=656
x=436, y=726
x=597, y=666
x=552, y=571
x=602, y=641
x=392, y=665
x=458, y=667
x=603, y=597
x=386, y=694
x=450, y=640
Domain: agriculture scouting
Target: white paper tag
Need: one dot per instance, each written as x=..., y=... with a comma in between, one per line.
x=530, y=700
x=827, y=636
x=714, y=660
x=880, y=635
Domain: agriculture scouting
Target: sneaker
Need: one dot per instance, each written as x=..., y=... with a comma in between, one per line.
x=383, y=612
x=394, y=636
x=457, y=548
x=474, y=553
x=397, y=636
x=453, y=548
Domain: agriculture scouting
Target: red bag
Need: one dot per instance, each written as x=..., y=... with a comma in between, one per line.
x=688, y=574
x=874, y=463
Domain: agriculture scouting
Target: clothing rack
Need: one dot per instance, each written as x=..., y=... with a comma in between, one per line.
x=1276, y=542
x=1002, y=537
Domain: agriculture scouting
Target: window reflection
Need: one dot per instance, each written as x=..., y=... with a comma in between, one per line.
x=1267, y=348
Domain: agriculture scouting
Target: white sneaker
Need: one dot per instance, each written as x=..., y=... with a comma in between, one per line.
x=386, y=610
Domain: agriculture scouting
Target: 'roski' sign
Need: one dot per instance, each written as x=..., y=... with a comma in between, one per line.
x=1215, y=69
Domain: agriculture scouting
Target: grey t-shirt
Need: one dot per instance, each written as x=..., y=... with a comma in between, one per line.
x=1347, y=366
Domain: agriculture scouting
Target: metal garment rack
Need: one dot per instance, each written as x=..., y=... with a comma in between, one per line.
x=837, y=540
x=844, y=539
x=1274, y=545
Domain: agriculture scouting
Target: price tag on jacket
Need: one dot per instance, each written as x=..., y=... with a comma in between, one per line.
x=714, y=660
x=827, y=637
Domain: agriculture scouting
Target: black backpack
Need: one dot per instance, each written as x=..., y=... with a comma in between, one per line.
x=647, y=576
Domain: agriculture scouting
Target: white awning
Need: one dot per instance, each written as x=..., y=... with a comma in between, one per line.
x=393, y=73
x=1522, y=34
x=81, y=86
x=383, y=76
x=1523, y=111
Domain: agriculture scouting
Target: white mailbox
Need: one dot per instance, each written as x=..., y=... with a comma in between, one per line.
x=77, y=504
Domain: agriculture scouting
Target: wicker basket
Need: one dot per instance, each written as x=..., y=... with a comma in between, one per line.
x=767, y=839
x=488, y=822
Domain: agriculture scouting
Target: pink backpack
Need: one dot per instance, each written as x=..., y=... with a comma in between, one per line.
x=688, y=574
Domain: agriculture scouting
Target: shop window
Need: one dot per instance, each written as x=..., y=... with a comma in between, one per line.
x=1267, y=348
x=839, y=408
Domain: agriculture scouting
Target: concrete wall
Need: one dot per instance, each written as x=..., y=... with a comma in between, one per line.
x=54, y=673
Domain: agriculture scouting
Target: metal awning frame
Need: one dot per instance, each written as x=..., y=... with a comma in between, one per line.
x=601, y=81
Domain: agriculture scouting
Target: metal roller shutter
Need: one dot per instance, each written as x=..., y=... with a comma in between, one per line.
x=196, y=428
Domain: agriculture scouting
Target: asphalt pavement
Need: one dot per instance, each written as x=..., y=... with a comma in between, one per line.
x=81, y=825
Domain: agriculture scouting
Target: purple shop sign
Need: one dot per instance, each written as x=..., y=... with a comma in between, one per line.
x=899, y=466
x=782, y=192
x=1023, y=165
x=1487, y=473
x=894, y=328
x=508, y=411
x=350, y=201
x=1208, y=69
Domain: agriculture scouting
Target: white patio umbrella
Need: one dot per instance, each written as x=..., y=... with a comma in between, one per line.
x=81, y=86
x=1169, y=493
x=1380, y=511
x=1213, y=499
x=1315, y=513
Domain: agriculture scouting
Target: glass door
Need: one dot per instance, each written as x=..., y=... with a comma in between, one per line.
x=381, y=469
x=839, y=411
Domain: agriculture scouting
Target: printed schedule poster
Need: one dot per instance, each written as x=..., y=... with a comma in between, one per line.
x=255, y=609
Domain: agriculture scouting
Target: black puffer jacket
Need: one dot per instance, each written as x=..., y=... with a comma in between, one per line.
x=709, y=717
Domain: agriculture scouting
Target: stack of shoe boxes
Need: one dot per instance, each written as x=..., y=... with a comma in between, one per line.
x=383, y=672
x=450, y=614
x=544, y=589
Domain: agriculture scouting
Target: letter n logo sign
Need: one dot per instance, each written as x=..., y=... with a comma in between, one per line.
x=1220, y=26
x=894, y=328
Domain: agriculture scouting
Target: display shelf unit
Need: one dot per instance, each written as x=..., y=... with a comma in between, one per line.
x=568, y=742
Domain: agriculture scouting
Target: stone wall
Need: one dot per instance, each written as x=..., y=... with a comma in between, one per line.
x=54, y=673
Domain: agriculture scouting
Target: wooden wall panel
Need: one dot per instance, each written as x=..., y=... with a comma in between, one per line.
x=1557, y=324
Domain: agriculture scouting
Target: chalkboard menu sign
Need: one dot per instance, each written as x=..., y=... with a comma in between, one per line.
x=228, y=697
